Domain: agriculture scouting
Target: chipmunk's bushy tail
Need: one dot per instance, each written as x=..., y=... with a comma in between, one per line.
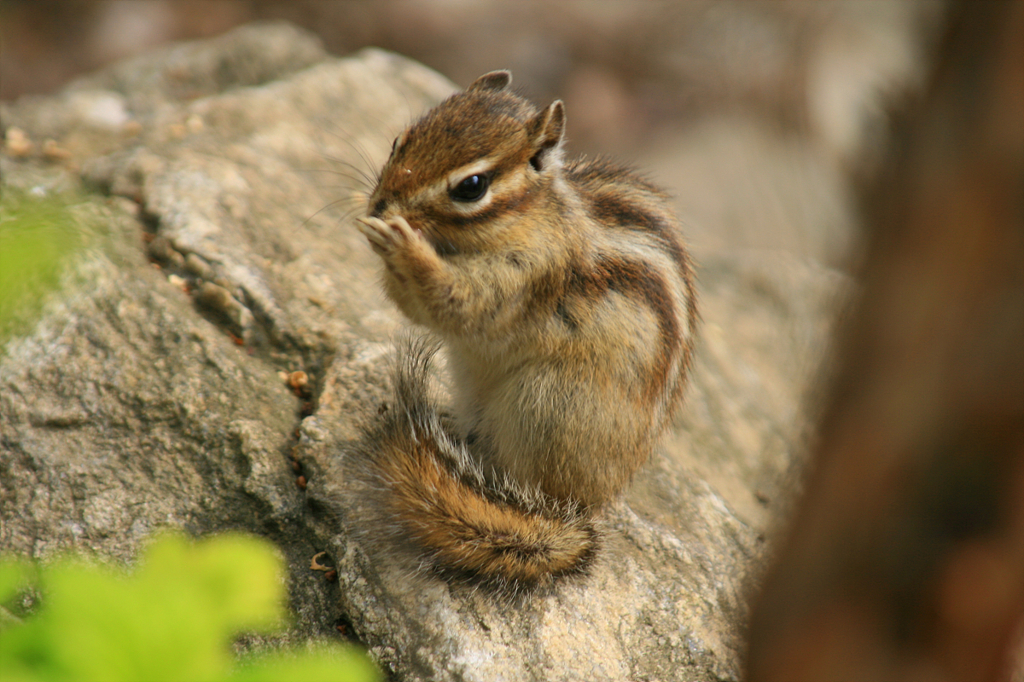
x=427, y=495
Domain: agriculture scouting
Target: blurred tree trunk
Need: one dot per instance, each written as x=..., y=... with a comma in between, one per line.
x=906, y=558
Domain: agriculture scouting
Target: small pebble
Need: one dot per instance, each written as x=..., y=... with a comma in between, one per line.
x=16, y=143
x=298, y=380
x=179, y=282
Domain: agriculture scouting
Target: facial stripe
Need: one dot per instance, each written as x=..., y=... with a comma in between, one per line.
x=475, y=168
x=501, y=203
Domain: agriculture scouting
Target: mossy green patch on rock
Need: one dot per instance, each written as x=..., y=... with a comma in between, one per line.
x=39, y=236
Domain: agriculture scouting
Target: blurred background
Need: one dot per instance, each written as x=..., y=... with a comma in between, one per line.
x=766, y=120
x=756, y=115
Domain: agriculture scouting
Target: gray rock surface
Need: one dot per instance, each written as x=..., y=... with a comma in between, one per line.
x=151, y=391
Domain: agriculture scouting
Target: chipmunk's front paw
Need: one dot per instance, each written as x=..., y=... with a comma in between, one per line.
x=394, y=239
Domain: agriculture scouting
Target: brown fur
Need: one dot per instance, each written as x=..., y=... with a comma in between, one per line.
x=426, y=495
x=564, y=298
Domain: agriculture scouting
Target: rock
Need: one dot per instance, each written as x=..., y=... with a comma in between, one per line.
x=153, y=394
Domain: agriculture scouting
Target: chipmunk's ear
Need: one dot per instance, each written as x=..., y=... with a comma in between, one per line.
x=495, y=80
x=547, y=131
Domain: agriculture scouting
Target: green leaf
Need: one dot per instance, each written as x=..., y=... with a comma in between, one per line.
x=238, y=577
x=175, y=619
x=15, y=575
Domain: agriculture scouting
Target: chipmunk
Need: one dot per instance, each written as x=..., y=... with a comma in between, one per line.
x=563, y=297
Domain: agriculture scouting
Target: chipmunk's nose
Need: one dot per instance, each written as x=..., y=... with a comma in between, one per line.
x=379, y=207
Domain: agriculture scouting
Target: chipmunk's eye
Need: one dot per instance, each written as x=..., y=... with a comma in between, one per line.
x=471, y=189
